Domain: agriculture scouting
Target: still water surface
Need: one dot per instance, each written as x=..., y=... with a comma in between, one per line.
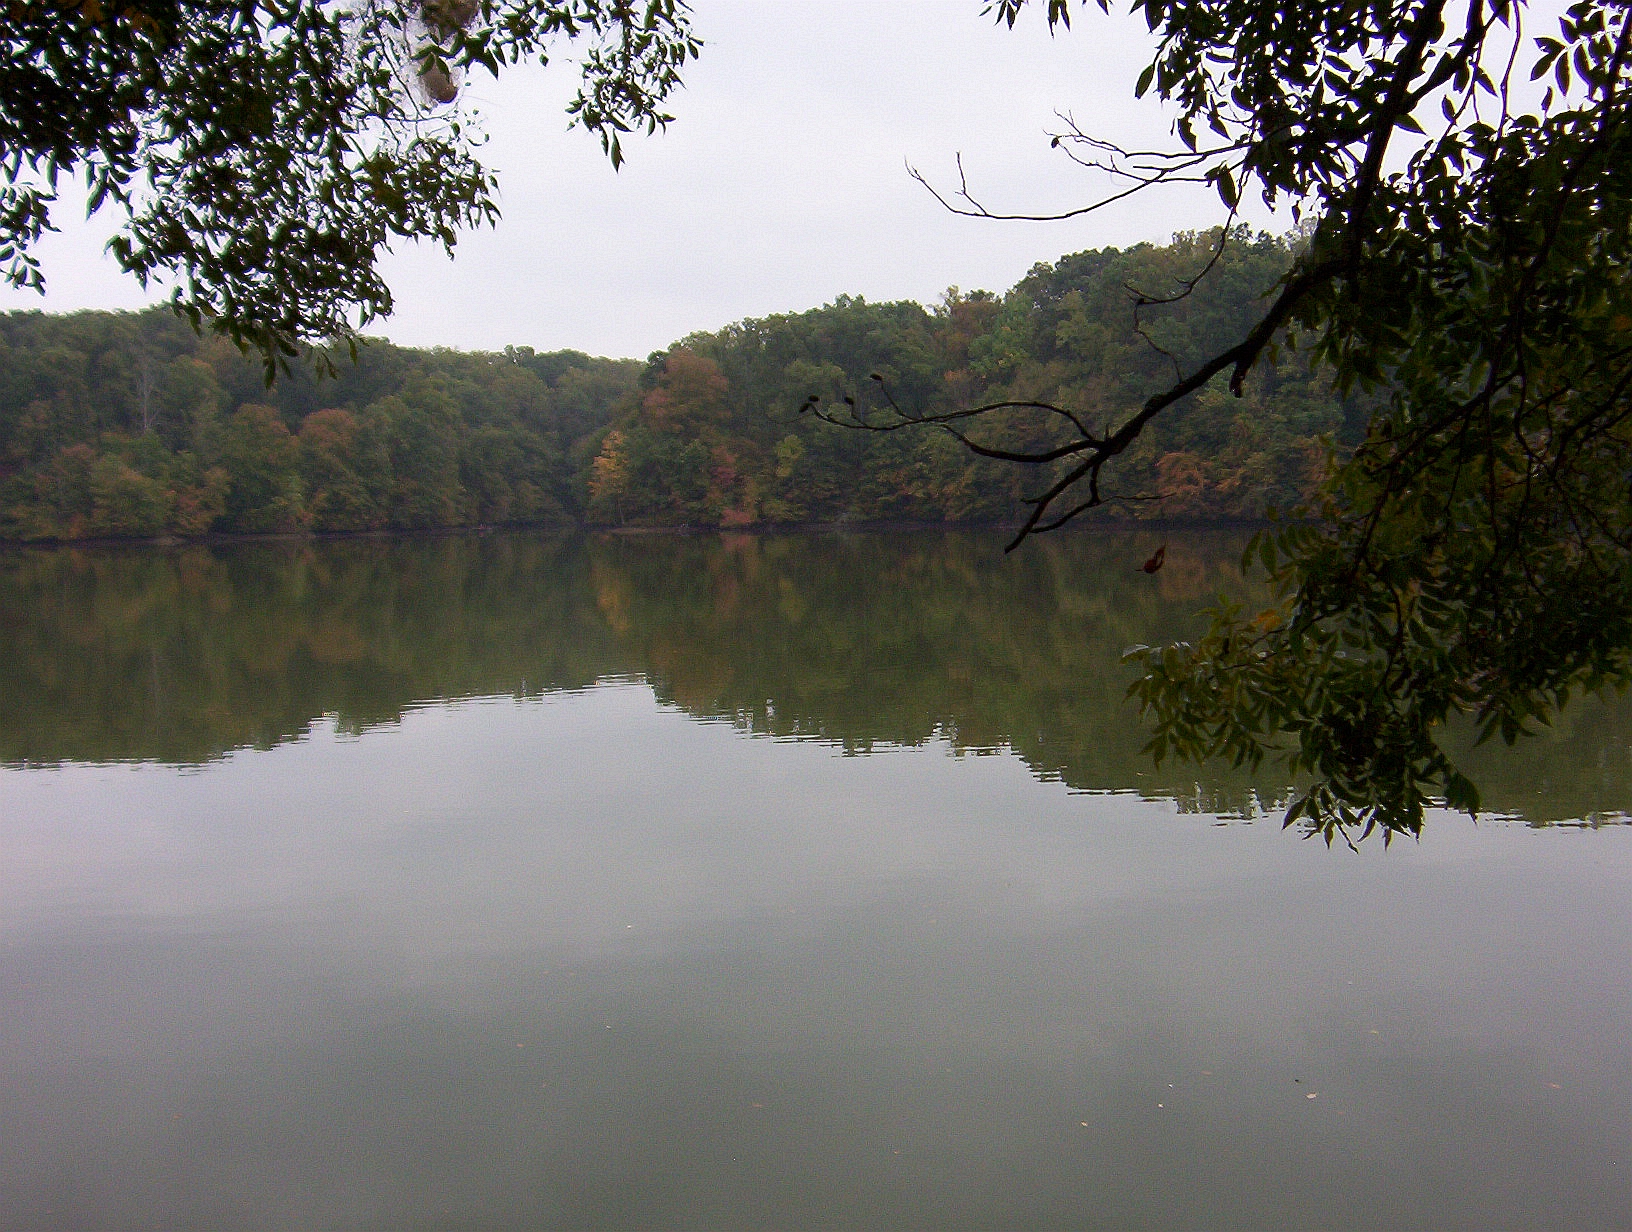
x=804, y=882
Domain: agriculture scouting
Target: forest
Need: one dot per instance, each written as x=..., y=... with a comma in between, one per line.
x=133, y=425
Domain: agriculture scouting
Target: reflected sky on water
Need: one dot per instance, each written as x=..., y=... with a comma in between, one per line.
x=601, y=956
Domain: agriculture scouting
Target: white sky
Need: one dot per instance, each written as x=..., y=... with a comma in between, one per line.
x=781, y=185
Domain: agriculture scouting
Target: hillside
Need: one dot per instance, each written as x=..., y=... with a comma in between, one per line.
x=130, y=425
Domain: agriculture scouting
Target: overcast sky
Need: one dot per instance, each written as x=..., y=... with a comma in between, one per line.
x=781, y=185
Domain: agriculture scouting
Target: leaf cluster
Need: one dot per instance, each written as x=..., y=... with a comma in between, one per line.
x=1465, y=268
x=1473, y=555
x=267, y=153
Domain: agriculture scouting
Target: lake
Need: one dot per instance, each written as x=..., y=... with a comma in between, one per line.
x=815, y=881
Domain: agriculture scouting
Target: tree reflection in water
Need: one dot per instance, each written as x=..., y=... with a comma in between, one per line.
x=183, y=655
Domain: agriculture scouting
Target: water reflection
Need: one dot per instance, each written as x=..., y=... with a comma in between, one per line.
x=438, y=885
x=583, y=962
x=864, y=640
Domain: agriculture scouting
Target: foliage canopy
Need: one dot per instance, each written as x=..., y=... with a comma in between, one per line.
x=1465, y=264
x=267, y=152
x=115, y=425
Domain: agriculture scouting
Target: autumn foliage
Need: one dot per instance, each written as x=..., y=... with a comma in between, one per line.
x=132, y=426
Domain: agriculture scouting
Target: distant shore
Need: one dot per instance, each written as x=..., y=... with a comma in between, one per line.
x=893, y=526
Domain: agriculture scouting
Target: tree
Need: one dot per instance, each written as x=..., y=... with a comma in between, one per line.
x=267, y=152
x=257, y=450
x=1465, y=261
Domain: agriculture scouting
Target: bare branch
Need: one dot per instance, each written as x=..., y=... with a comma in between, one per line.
x=974, y=209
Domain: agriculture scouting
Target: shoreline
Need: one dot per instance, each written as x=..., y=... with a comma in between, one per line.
x=885, y=526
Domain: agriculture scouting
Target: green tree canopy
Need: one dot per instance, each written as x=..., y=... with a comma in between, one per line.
x=1465, y=264
x=267, y=152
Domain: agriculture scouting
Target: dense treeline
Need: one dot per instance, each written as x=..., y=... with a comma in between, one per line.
x=717, y=436
x=131, y=425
